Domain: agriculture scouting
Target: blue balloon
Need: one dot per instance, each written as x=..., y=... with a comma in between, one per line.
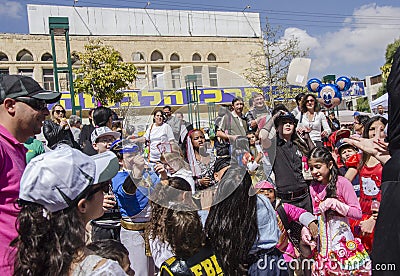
x=312, y=81
x=347, y=82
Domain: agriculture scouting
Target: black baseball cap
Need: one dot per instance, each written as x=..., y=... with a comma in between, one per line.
x=13, y=86
x=285, y=116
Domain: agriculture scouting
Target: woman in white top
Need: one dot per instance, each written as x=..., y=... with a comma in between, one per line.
x=312, y=120
x=158, y=133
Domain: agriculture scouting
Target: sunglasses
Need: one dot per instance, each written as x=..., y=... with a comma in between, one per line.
x=58, y=111
x=38, y=105
x=310, y=101
x=104, y=186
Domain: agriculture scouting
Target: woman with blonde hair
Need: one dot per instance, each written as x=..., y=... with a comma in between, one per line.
x=57, y=130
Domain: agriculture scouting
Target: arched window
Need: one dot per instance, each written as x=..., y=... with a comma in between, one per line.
x=174, y=57
x=211, y=57
x=156, y=56
x=46, y=57
x=196, y=57
x=138, y=56
x=24, y=55
x=3, y=57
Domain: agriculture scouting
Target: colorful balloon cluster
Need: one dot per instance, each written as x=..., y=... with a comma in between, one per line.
x=329, y=95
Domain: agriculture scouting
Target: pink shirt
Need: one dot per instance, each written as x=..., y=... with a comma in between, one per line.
x=12, y=165
x=345, y=193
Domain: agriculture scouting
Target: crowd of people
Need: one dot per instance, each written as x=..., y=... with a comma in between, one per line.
x=273, y=189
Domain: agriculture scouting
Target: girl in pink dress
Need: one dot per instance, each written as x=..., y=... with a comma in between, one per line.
x=334, y=202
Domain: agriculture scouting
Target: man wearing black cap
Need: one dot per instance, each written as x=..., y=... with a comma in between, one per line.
x=23, y=108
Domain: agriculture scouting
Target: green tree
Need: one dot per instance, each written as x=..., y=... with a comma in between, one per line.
x=269, y=66
x=102, y=73
x=385, y=69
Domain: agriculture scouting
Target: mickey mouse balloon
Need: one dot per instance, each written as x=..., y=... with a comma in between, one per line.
x=329, y=95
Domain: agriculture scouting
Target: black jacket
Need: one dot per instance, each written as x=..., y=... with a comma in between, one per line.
x=56, y=135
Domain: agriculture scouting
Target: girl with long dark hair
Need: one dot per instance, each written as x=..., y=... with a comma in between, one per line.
x=242, y=227
x=61, y=191
x=370, y=170
x=334, y=202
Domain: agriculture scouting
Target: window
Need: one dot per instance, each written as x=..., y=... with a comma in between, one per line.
x=156, y=56
x=211, y=57
x=140, y=81
x=174, y=57
x=3, y=57
x=24, y=55
x=176, y=77
x=196, y=57
x=46, y=57
x=26, y=72
x=138, y=56
x=157, y=77
x=4, y=71
x=48, y=79
x=212, y=73
x=197, y=70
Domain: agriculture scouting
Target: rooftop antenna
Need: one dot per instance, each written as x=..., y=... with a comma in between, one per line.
x=147, y=4
x=247, y=7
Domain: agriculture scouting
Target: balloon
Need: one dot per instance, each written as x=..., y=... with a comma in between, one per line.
x=344, y=83
x=329, y=95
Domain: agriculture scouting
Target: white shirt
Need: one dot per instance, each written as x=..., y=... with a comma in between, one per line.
x=318, y=123
x=159, y=134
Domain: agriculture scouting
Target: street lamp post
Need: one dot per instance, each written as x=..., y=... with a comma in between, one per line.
x=193, y=100
x=60, y=26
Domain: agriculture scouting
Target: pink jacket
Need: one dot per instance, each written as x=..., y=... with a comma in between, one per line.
x=345, y=193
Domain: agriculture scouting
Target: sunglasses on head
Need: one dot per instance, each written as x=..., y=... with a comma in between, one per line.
x=32, y=102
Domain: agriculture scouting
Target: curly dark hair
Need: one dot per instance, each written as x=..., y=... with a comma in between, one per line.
x=303, y=104
x=323, y=155
x=231, y=225
x=184, y=232
x=47, y=246
x=158, y=217
x=47, y=243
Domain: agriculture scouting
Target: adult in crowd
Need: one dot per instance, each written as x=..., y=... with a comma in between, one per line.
x=85, y=136
x=185, y=126
x=311, y=120
x=23, y=108
x=359, y=123
x=387, y=239
x=158, y=132
x=333, y=122
x=243, y=228
x=200, y=160
x=298, y=99
x=259, y=110
x=51, y=224
x=57, y=130
x=233, y=124
x=132, y=187
x=173, y=122
x=75, y=124
x=381, y=112
x=103, y=116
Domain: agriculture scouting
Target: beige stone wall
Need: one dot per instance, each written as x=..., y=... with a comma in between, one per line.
x=232, y=55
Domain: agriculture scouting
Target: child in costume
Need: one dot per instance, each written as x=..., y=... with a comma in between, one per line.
x=184, y=233
x=334, y=202
x=293, y=213
x=369, y=169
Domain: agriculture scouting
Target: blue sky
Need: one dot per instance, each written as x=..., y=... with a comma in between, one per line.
x=345, y=37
